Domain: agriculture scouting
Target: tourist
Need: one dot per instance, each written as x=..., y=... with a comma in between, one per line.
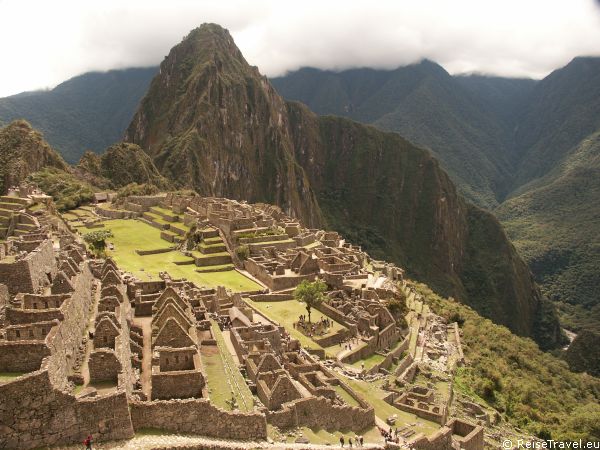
x=341, y=441
x=361, y=440
x=88, y=442
x=350, y=442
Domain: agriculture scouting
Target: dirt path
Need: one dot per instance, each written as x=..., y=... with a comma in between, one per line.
x=145, y=323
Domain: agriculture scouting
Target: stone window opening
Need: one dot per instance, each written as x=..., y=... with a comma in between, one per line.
x=30, y=333
x=17, y=333
x=46, y=305
x=34, y=305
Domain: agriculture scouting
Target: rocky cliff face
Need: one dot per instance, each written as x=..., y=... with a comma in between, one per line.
x=23, y=151
x=212, y=122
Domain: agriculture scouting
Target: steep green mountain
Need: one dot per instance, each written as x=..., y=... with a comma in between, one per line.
x=23, y=151
x=556, y=228
x=90, y=111
x=212, y=122
x=530, y=389
x=535, y=127
x=119, y=165
x=458, y=118
x=563, y=109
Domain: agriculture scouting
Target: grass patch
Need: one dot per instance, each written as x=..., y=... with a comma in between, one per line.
x=287, y=312
x=372, y=392
x=131, y=235
x=223, y=375
x=6, y=377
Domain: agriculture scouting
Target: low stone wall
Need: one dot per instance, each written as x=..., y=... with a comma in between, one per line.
x=155, y=251
x=271, y=297
x=22, y=356
x=334, y=339
x=115, y=214
x=440, y=440
x=319, y=412
x=35, y=414
x=198, y=416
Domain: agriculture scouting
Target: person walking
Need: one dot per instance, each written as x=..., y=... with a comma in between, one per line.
x=361, y=440
x=350, y=442
x=88, y=442
x=342, y=441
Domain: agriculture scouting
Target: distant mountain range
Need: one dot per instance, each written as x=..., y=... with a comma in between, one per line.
x=517, y=147
x=524, y=149
x=87, y=112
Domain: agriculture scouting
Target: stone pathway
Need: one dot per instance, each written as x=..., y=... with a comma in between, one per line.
x=146, y=376
x=150, y=442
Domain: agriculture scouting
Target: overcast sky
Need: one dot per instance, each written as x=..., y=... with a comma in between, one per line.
x=47, y=41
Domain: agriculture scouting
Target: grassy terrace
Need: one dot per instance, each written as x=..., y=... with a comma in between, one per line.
x=131, y=235
x=223, y=376
x=372, y=392
x=6, y=377
x=286, y=313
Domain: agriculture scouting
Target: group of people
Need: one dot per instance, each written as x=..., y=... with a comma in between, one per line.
x=313, y=329
x=391, y=435
x=357, y=439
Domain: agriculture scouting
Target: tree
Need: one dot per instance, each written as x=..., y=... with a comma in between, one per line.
x=311, y=294
x=97, y=240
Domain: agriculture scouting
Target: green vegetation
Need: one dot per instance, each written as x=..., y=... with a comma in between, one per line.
x=556, y=229
x=137, y=189
x=531, y=389
x=22, y=152
x=242, y=252
x=373, y=392
x=5, y=377
x=97, y=240
x=149, y=266
x=67, y=191
x=310, y=293
x=286, y=313
x=223, y=377
x=90, y=111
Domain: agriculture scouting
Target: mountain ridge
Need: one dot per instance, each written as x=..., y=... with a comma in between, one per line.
x=207, y=107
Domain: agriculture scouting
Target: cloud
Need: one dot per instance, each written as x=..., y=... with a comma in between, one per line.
x=46, y=42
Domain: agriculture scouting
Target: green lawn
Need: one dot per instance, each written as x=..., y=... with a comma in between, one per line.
x=345, y=395
x=372, y=393
x=287, y=312
x=323, y=437
x=131, y=235
x=369, y=361
x=223, y=376
x=6, y=377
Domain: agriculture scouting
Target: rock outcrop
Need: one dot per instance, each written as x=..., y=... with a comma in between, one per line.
x=23, y=151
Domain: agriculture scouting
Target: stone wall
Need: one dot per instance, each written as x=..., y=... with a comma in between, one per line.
x=319, y=412
x=198, y=416
x=69, y=333
x=3, y=295
x=35, y=414
x=104, y=365
x=176, y=384
x=22, y=356
x=30, y=273
x=440, y=440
